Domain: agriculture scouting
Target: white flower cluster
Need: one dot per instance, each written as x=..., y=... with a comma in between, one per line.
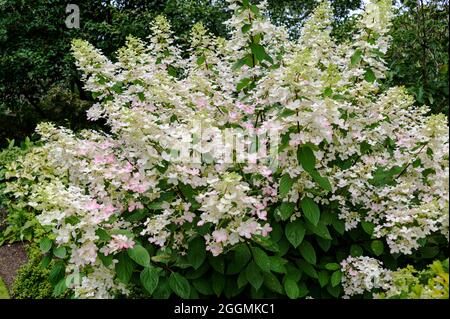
x=385, y=160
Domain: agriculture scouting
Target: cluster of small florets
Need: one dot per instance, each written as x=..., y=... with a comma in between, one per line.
x=385, y=160
x=367, y=275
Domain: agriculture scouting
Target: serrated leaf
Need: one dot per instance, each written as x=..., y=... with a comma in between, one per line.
x=196, y=253
x=307, y=251
x=322, y=181
x=254, y=276
x=218, y=283
x=57, y=273
x=323, y=278
x=332, y=266
x=140, y=255
x=286, y=210
x=149, y=278
x=59, y=252
x=356, y=250
x=179, y=285
x=272, y=282
x=124, y=268
x=261, y=259
x=286, y=183
x=60, y=288
x=295, y=232
x=291, y=288
x=310, y=210
x=368, y=227
x=356, y=57
x=369, y=76
x=377, y=247
x=335, y=278
x=45, y=245
x=306, y=158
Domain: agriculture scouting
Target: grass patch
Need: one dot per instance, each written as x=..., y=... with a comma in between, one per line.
x=3, y=291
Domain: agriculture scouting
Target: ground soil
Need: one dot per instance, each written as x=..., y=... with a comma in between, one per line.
x=12, y=257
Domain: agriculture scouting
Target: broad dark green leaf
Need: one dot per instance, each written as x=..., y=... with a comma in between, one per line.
x=310, y=210
x=149, y=278
x=295, y=232
x=286, y=183
x=179, y=285
x=140, y=255
x=307, y=251
x=196, y=253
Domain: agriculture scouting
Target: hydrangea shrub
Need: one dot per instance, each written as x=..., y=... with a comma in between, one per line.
x=338, y=174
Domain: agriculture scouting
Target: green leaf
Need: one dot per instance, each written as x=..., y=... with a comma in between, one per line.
x=241, y=257
x=368, y=227
x=57, y=273
x=246, y=27
x=103, y=234
x=285, y=210
x=336, y=278
x=124, y=268
x=322, y=181
x=217, y=263
x=201, y=59
x=307, y=269
x=140, y=255
x=254, y=275
x=277, y=264
x=286, y=183
x=260, y=53
x=59, y=252
x=196, y=253
x=320, y=229
x=332, y=266
x=243, y=83
x=179, y=285
x=261, y=259
x=307, y=251
x=149, y=279
x=218, y=283
x=369, y=76
x=356, y=57
x=327, y=92
x=356, y=250
x=295, y=232
x=106, y=260
x=323, y=278
x=45, y=245
x=310, y=210
x=377, y=247
x=291, y=288
x=203, y=286
x=272, y=282
x=60, y=288
x=306, y=158
x=242, y=279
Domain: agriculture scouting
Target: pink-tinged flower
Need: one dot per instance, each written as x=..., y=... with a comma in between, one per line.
x=215, y=248
x=108, y=210
x=119, y=242
x=220, y=235
x=266, y=230
x=189, y=216
x=201, y=102
x=110, y=159
x=246, y=229
x=93, y=205
x=134, y=205
x=264, y=171
x=233, y=116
